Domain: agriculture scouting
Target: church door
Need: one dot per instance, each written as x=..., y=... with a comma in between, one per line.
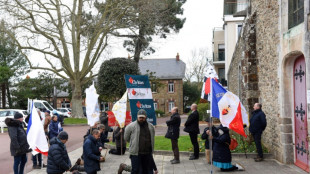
x=300, y=114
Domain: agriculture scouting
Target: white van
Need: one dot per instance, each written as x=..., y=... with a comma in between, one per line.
x=44, y=105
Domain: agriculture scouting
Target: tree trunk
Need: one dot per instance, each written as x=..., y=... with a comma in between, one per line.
x=9, y=95
x=3, y=95
x=77, y=111
x=139, y=44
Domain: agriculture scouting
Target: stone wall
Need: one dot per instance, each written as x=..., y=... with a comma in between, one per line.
x=253, y=73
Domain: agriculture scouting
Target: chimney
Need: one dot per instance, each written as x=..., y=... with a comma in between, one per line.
x=27, y=77
x=178, y=57
x=128, y=56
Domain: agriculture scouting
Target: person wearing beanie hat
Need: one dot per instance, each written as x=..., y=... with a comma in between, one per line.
x=19, y=145
x=140, y=135
x=58, y=160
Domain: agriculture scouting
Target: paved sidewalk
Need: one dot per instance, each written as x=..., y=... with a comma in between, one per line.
x=268, y=166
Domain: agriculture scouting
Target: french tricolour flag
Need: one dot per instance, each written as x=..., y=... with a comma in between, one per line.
x=227, y=107
x=35, y=134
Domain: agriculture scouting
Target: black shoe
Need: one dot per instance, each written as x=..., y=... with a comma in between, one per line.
x=258, y=159
x=36, y=167
x=172, y=160
x=44, y=165
x=75, y=167
x=121, y=168
x=193, y=158
x=175, y=162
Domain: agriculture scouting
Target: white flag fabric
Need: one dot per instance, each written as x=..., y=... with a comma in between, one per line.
x=119, y=110
x=35, y=134
x=92, y=107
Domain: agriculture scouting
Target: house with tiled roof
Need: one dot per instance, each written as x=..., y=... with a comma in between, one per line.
x=170, y=73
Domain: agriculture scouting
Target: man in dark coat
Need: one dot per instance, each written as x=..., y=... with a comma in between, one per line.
x=192, y=127
x=173, y=133
x=19, y=145
x=91, y=153
x=119, y=142
x=58, y=160
x=258, y=124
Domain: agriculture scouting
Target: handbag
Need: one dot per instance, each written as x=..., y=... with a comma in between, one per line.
x=233, y=144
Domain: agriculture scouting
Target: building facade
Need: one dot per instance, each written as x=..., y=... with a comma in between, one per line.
x=170, y=73
x=218, y=46
x=270, y=65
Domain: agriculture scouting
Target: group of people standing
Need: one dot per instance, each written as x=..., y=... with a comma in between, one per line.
x=219, y=136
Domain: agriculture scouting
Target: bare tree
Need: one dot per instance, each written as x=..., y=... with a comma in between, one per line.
x=196, y=66
x=60, y=33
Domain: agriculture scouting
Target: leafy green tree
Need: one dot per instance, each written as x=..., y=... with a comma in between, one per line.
x=55, y=30
x=191, y=90
x=12, y=64
x=111, y=82
x=149, y=18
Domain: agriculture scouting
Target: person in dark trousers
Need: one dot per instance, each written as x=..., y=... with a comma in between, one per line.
x=258, y=124
x=19, y=146
x=128, y=168
x=173, y=133
x=91, y=153
x=205, y=137
x=192, y=127
x=58, y=160
x=119, y=142
x=221, y=152
x=37, y=159
x=140, y=134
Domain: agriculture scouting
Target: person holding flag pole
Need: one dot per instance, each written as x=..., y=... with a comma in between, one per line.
x=227, y=107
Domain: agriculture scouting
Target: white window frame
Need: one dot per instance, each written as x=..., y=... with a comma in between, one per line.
x=170, y=87
x=155, y=106
x=171, y=105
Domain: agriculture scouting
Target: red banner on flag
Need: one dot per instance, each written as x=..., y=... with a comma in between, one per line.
x=112, y=121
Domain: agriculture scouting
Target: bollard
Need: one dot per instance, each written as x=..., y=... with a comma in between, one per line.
x=1, y=128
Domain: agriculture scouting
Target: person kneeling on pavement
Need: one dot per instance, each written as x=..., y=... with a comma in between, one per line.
x=221, y=151
x=119, y=142
x=58, y=160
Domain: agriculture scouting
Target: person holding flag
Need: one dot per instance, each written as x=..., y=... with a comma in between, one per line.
x=19, y=145
x=36, y=137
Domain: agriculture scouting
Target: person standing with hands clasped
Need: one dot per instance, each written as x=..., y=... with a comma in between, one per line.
x=258, y=124
x=192, y=127
x=173, y=133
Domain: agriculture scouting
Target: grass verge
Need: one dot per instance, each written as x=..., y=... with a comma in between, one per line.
x=75, y=121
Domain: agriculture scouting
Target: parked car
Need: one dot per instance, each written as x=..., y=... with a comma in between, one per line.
x=9, y=113
x=44, y=105
x=65, y=111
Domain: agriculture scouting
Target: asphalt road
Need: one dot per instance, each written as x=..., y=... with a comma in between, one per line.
x=75, y=141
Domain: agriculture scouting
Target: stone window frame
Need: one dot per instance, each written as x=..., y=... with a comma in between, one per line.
x=295, y=12
x=172, y=90
x=171, y=106
x=154, y=88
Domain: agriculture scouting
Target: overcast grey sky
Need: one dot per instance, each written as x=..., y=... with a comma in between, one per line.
x=201, y=17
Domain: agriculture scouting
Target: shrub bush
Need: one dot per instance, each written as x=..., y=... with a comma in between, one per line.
x=202, y=110
x=159, y=112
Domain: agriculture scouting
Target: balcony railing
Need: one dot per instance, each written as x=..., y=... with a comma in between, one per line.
x=233, y=6
x=219, y=57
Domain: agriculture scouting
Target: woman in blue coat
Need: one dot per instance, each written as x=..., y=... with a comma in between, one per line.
x=221, y=151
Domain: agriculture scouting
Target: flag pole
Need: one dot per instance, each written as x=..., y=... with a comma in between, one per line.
x=210, y=128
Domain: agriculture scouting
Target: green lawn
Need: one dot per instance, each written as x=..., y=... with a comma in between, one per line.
x=75, y=121
x=162, y=143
